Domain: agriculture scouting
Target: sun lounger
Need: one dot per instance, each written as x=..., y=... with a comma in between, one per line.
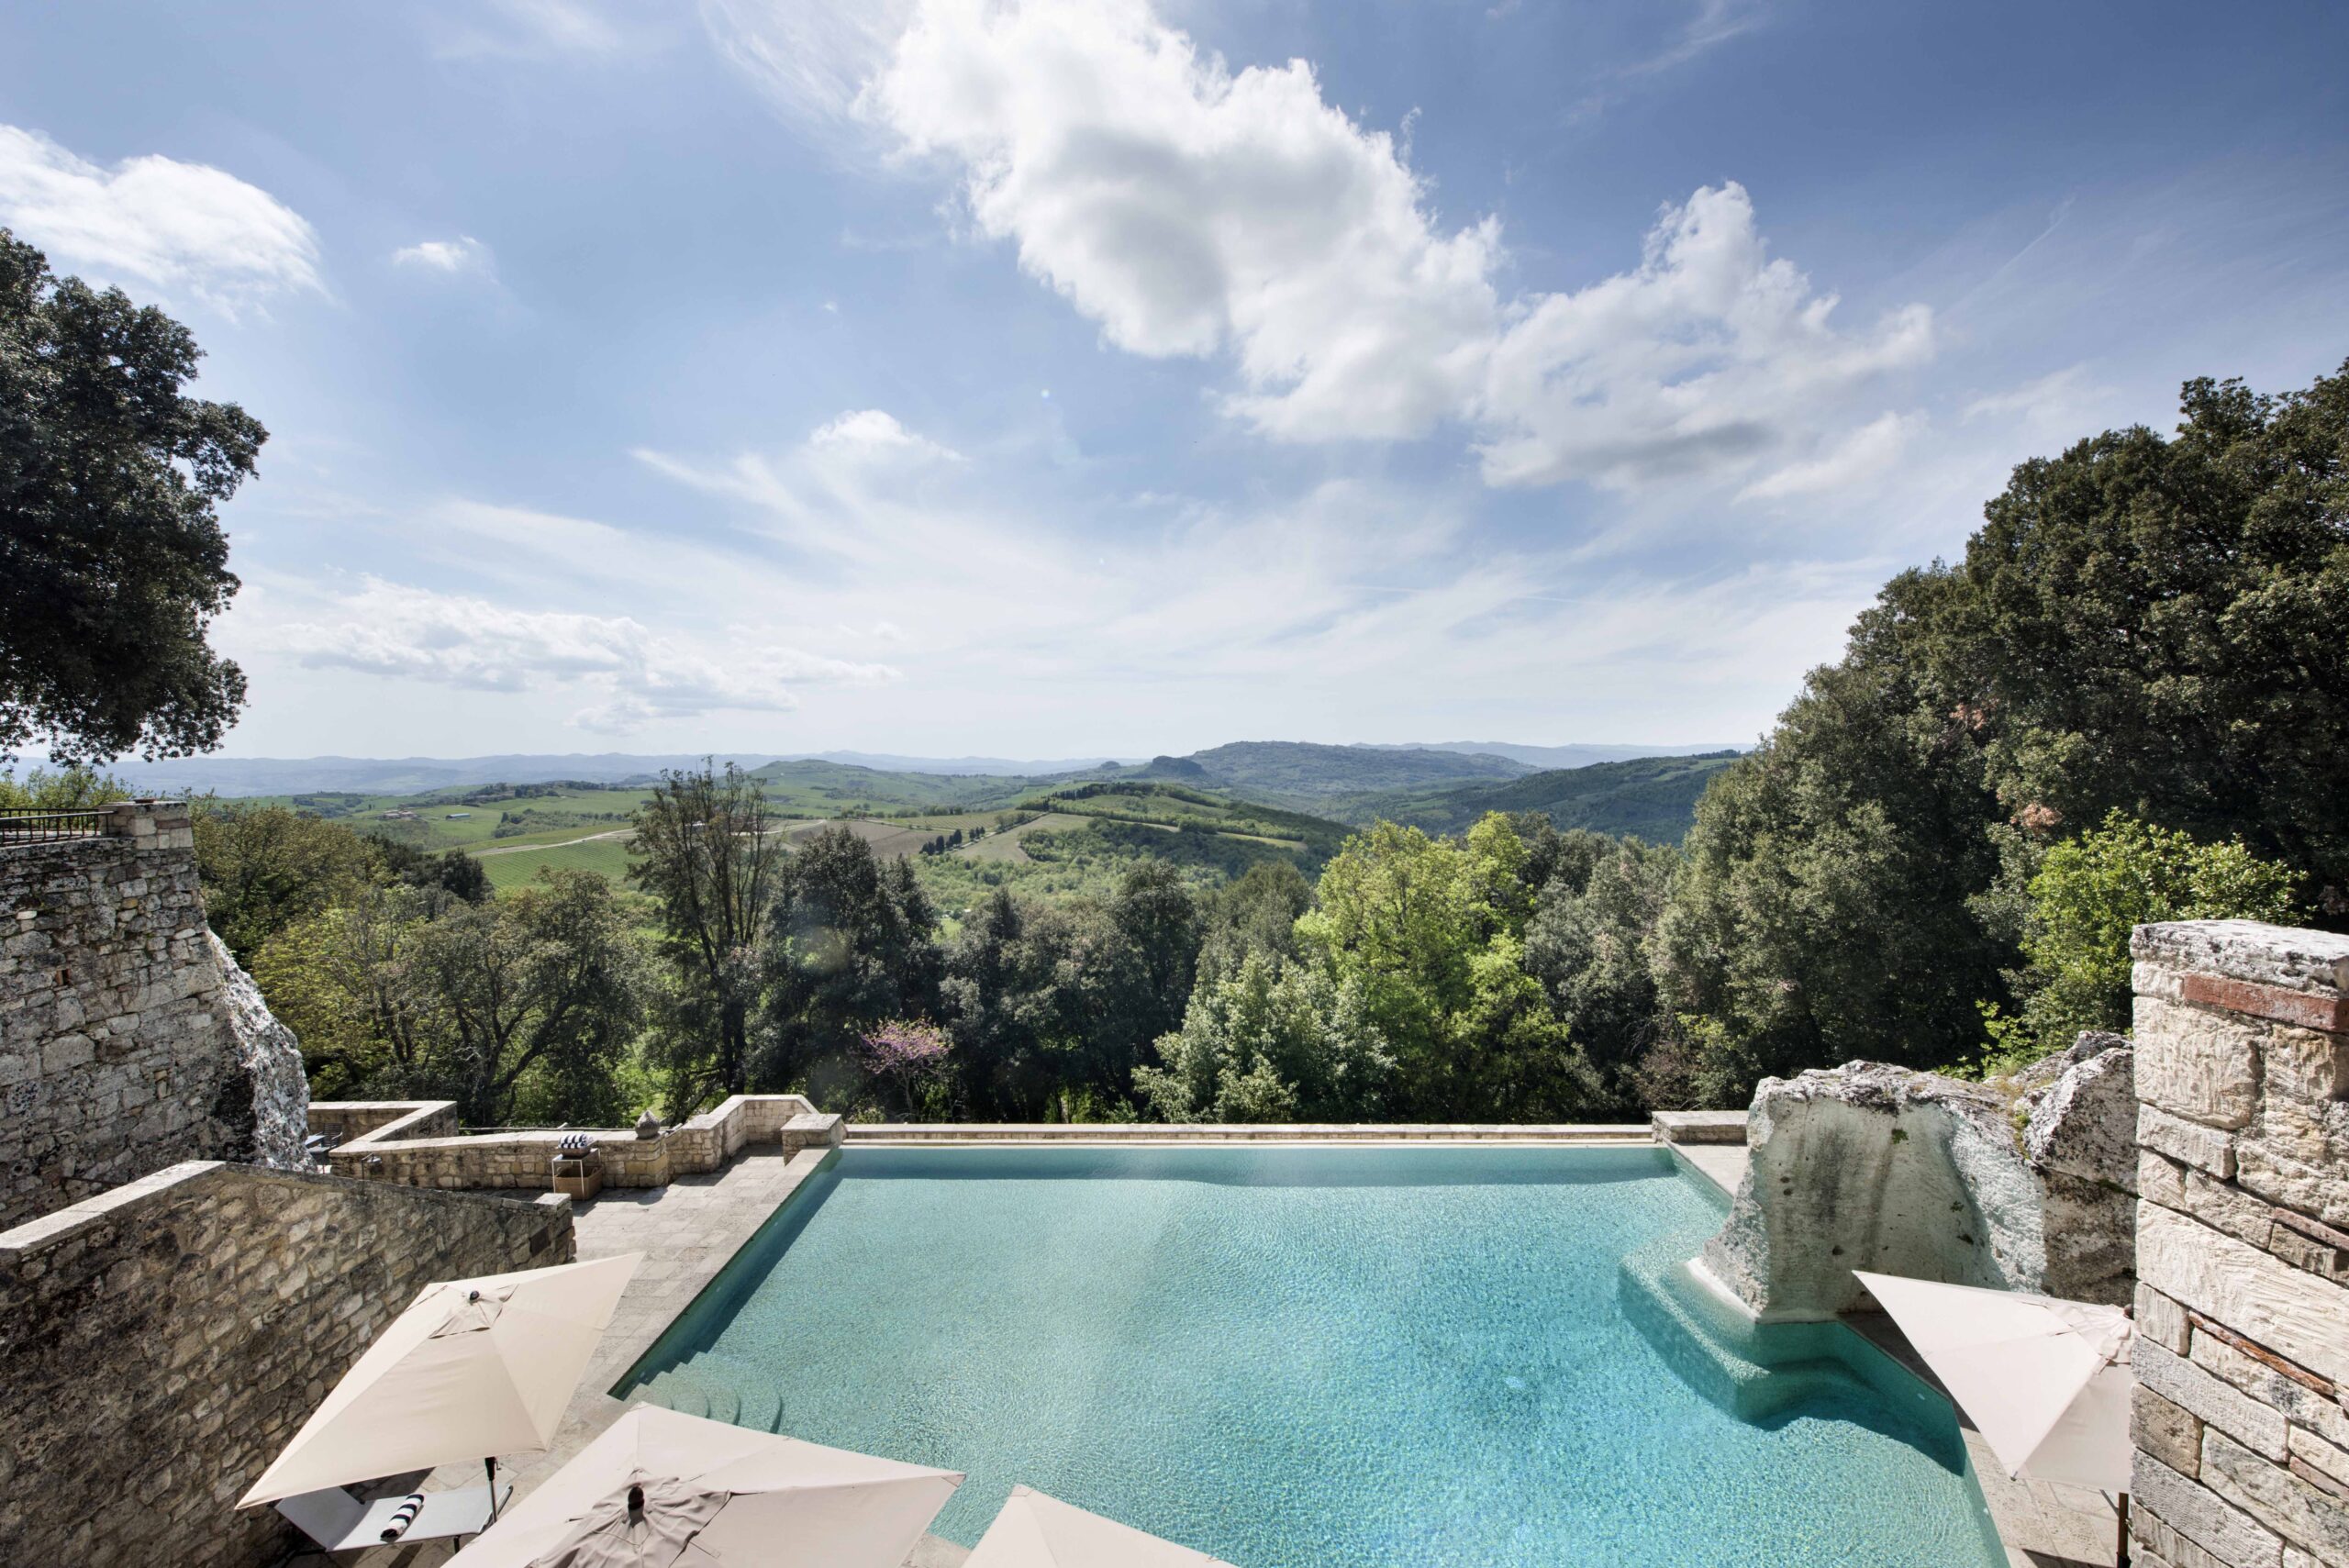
x=341, y=1522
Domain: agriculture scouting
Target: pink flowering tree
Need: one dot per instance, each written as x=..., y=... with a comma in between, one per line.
x=905, y=1060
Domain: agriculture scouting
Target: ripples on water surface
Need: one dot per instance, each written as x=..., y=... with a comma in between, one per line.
x=1316, y=1357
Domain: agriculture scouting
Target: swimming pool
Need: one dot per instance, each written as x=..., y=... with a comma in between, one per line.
x=1339, y=1357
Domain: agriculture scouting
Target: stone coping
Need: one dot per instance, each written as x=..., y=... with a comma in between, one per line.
x=1179, y=1134
x=36, y=1236
x=1698, y=1127
x=417, y=1143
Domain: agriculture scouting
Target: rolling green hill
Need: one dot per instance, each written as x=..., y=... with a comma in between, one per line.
x=1309, y=778
x=1653, y=798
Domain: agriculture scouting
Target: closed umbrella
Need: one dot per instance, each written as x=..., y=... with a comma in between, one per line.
x=1037, y=1531
x=662, y=1488
x=2046, y=1382
x=473, y=1368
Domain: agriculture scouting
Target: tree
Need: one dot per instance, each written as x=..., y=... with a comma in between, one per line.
x=706, y=849
x=533, y=999
x=1591, y=944
x=1431, y=933
x=112, y=559
x=907, y=1060
x=524, y=1008
x=2157, y=627
x=1257, y=913
x=2091, y=890
x=265, y=867
x=2162, y=628
x=847, y=946
x=1277, y=1041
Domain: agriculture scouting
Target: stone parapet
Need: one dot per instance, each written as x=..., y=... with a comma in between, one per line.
x=417, y=1144
x=1698, y=1127
x=1239, y=1132
x=161, y=1342
x=2242, y=1423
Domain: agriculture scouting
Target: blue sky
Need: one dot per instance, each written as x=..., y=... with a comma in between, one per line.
x=1048, y=379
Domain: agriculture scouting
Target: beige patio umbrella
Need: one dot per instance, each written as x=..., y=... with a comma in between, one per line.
x=2046, y=1382
x=661, y=1488
x=473, y=1368
x=1037, y=1531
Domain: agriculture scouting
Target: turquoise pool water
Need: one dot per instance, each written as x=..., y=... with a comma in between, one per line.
x=1324, y=1358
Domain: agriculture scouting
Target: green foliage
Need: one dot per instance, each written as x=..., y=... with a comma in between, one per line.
x=847, y=947
x=1431, y=934
x=265, y=868
x=2159, y=628
x=1275, y=1040
x=2092, y=890
x=112, y=561
x=59, y=789
x=1653, y=798
x=523, y=1008
x=706, y=850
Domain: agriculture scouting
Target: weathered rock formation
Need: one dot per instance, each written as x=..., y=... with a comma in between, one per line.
x=269, y=1091
x=1866, y=1166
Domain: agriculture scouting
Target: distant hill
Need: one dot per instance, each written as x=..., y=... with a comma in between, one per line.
x=1306, y=778
x=1580, y=756
x=1653, y=798
x=392, y=776
x=957, y=767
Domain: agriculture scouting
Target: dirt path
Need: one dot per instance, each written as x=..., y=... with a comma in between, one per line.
x=558, y=844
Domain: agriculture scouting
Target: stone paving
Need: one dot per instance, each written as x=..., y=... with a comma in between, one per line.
x=688, y=1230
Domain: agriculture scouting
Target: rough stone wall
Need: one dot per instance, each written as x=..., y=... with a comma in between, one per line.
x=2242, y=1416
x=118, y=1047
x=1867, y=1166
x=161, y=1344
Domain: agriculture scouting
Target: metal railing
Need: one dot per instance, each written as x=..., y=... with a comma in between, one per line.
x=48, y=827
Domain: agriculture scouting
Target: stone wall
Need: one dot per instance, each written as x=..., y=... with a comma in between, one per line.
x=2241, y=1417
x=121, y=1050
x=417, y=1143
x=159, y=1345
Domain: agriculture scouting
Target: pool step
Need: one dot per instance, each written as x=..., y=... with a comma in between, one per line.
x=719, y=1388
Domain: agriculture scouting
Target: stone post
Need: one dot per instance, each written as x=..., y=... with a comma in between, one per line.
x=2242, y=1357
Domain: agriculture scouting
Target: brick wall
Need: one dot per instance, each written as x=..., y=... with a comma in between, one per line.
x=2241, y=1417
x=115, y=1051
x=159, y=1345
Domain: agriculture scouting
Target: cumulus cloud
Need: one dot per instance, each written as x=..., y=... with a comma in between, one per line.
x=630, y=673
x=874, y=433
x=1865, y=454
x=448, y=257
x=182, y=227
x=1191, y=210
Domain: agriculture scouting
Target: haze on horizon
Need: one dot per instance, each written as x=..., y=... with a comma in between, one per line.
x=1094, y=377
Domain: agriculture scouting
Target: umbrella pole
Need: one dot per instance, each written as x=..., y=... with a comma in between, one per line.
x=492, y=1462
x=2121, y=1555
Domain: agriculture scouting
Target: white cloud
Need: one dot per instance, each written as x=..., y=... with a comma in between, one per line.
x=631, y=674
x=809, y=57
x=873, y=433
x=450, y=258
x=182, y=227
x=1863, y=455
x=1191, y=210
